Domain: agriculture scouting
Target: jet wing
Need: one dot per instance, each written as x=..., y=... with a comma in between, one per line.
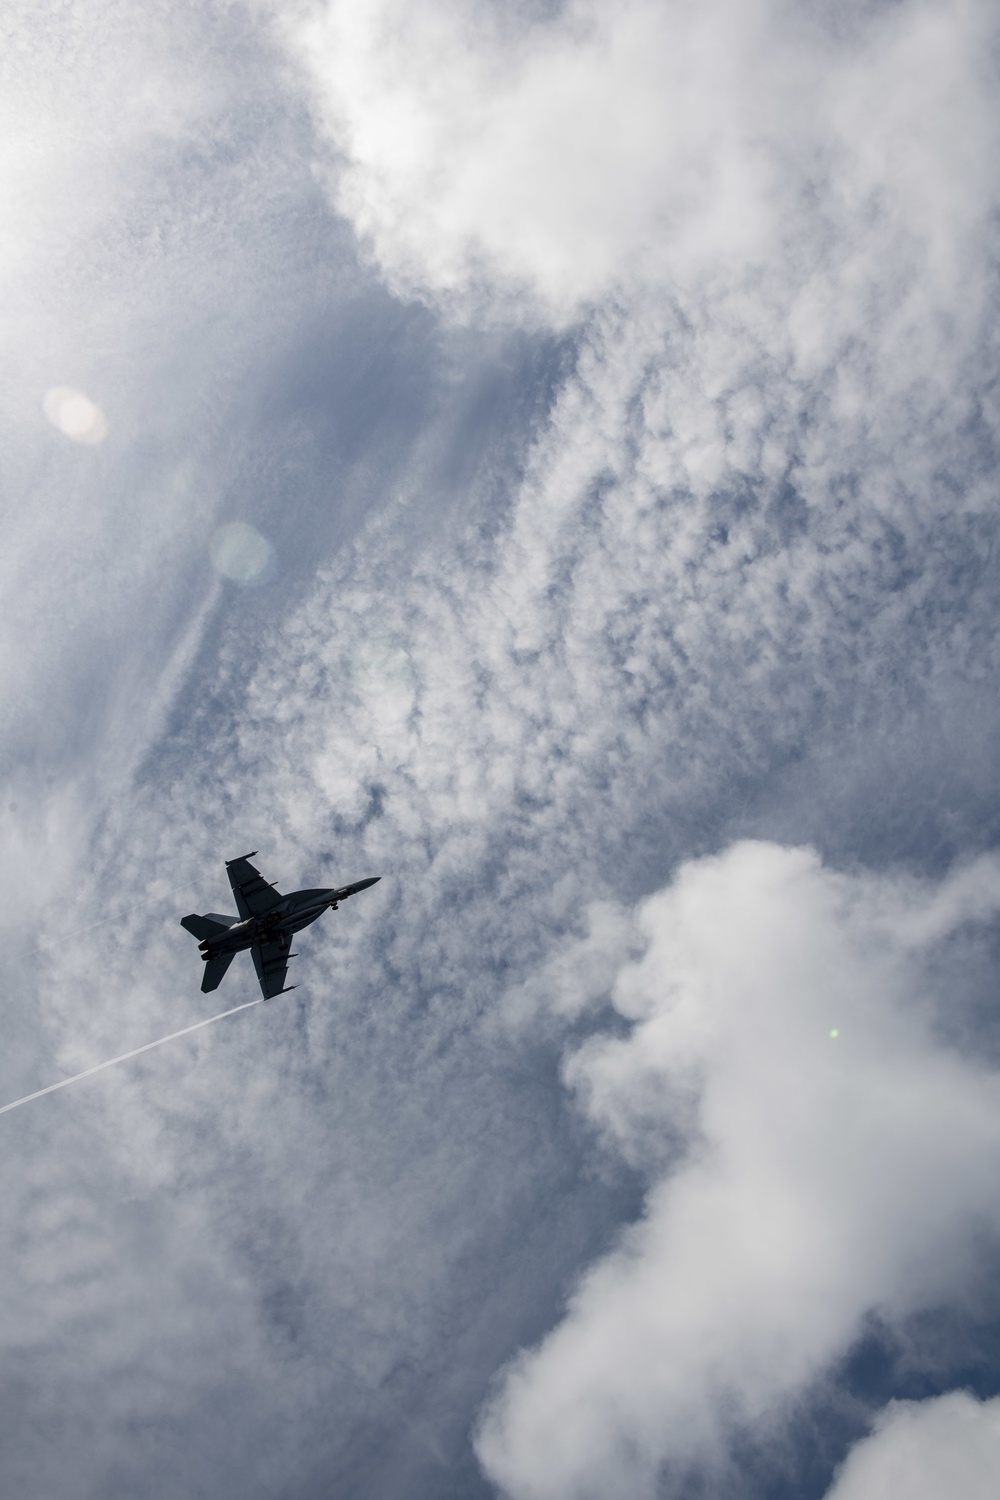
x=253, y=894
x=271, y=962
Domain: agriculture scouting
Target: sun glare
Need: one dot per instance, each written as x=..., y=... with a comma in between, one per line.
x=75, y=415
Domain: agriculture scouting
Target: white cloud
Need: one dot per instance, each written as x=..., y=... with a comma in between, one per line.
x=548, y=153
x=490, y=719
x=824, y=1176
x=578, y=972
x=136, y=147
x=480, y=153
x=926, y=1450
x=752, y=512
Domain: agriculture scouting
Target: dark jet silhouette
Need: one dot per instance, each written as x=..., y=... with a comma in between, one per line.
x=265, y=925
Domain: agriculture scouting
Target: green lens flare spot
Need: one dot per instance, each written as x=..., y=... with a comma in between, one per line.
x=239, y=552
x=835, y=1033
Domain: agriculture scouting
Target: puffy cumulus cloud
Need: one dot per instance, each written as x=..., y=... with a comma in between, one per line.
x=578, y=972
x=925, y=1450
x=836, y=1158
x=555, y=153
x=546, y=152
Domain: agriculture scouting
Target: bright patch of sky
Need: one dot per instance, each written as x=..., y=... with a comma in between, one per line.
x=546, y=457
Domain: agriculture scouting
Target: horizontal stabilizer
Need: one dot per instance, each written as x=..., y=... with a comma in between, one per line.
x=206, y=927
x=215, y=971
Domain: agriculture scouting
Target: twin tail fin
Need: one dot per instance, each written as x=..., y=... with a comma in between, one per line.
x=206, y=928
x=215, y=971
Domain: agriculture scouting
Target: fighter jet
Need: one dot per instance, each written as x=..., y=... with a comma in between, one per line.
x=265, y=925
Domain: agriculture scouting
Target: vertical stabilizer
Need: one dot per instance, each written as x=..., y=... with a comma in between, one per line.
x=206, y=928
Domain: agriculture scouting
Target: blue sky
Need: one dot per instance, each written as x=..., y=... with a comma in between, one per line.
x=604, y=398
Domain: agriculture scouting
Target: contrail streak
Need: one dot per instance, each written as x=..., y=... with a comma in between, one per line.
x=99, y=1067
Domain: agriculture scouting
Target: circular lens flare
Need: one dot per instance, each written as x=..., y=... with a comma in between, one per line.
x=75, y=415
x=239, y=552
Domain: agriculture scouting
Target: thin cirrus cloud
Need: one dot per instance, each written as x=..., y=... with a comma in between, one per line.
x=162, y=246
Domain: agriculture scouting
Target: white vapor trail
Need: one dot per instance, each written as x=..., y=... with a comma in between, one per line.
x=99, y=1067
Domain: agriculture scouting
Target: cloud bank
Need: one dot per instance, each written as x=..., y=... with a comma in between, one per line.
x=835, y=1159
x=484, y=152
x=927, y=1449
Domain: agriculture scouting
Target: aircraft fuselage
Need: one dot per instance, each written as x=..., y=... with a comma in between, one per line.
x=289, y=916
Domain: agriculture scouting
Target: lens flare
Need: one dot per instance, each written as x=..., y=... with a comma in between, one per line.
x=75, y=415
x=239, y=552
